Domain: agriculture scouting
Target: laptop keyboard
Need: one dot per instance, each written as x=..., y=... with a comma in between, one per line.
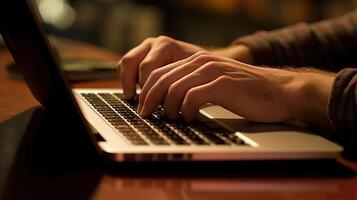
x=155, y=130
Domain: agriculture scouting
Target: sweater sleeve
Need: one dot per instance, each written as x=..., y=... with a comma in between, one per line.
x=328, y=45
x=342, y=110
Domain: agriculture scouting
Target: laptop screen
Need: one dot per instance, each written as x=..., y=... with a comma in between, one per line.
x=25, y=37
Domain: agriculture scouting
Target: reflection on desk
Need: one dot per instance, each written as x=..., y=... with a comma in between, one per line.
x=205, y=189
x=31, y=176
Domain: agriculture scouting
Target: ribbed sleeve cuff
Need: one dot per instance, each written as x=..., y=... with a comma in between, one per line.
x=283, y=47
x=342, y=110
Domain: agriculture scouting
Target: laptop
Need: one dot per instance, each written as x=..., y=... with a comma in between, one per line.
x=110, y=125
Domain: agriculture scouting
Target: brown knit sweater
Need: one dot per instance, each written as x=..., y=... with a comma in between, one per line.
x=328, y=45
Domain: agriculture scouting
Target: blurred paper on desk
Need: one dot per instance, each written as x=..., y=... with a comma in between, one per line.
x=79, y=70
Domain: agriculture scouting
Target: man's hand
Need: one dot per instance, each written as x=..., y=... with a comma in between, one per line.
x=258, y=94
x=137, y=64
x=153, y=53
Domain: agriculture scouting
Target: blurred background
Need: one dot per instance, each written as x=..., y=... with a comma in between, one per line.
x=121, y=24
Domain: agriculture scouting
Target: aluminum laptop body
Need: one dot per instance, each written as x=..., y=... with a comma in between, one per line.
x=217, y=133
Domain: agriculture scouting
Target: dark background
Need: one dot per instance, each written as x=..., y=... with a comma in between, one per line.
x=121, y=24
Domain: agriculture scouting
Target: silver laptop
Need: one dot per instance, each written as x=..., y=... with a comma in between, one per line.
x=119, y=133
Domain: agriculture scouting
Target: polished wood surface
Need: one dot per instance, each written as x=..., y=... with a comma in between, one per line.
x=15, y=95
x=263, y=180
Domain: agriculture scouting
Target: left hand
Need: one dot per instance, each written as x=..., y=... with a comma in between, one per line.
x=255, y=93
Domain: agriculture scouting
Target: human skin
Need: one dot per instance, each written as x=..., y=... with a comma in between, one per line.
x=184, y=77
x=136, y=65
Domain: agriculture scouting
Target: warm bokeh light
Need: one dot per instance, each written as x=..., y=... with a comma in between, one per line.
x=57, y=12
x=119, y=25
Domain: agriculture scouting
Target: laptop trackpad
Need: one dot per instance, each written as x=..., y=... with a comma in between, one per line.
x=236, y=123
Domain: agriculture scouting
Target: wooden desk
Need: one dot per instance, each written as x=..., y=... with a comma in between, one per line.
x=298, y=180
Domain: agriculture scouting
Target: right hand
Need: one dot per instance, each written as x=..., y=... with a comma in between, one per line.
x=258, y=94
x=138, y=63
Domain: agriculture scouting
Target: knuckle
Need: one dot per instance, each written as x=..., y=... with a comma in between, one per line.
x=200, y=53
x=163, y=38
x=166, y=42
x=203, y=57
x=173, y=90
x=191, y=96
x=149, y=39
x=224, y=79
x=145, y=64
x=211, y=65
x=155, y=74
x=126, y=61
x=162, y=80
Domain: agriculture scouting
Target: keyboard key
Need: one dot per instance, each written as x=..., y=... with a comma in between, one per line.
x=188, y=132
x=205, y=131
x=113, y=118
x=167, y=131
x=231, y=137
x=132, y=118
x=120, y=113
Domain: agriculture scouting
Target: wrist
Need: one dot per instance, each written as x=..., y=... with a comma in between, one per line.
x=307, y=97
x=238, y=52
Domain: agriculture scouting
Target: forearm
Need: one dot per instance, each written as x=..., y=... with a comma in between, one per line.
x=307, y=97
x=327, y=45
x=326, y=102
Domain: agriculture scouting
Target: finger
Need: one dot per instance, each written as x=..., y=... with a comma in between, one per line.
x=156, y=74
x=177, y=91
x=157, y=92
x=198, y=96
x=129, y=64
x=155, y=58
